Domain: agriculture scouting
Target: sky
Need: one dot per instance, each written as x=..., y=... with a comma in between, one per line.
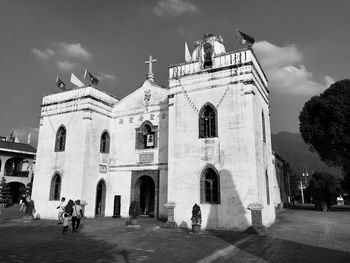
x=303, y=47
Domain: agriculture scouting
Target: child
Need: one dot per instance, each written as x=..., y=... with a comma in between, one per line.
x=65, y=223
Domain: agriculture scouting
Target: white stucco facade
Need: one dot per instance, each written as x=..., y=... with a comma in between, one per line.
x=157, y=153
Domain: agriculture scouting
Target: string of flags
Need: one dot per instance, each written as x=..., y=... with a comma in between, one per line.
x=88, y=79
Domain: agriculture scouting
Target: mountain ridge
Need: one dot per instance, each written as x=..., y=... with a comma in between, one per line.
x=292, y=148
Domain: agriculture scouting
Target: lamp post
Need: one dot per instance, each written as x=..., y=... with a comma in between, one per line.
x=302, y=191
x=304, y=174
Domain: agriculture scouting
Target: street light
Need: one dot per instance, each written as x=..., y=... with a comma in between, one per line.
x=304, y=174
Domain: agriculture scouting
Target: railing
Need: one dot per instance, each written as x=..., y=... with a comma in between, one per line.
x=17, y=174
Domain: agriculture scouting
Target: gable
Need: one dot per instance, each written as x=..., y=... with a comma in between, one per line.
x=148, y=94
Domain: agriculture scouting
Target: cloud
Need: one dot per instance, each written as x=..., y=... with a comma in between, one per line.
x=102, y=76
x=174, y=8
x=285, y=72
x=66, y=56
x=271, y=55
x=46, y=54
x=66, y=65
x=74, y=50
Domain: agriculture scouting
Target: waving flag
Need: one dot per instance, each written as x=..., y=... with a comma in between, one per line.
x=74, y=80
x=60, y=84
x=246, y=39
x=93, y=80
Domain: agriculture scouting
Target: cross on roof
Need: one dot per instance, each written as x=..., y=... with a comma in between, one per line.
x=150, y=74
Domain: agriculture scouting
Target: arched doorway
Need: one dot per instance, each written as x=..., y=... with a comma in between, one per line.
x=146, y=188
x=100, y=198
x=17, y=189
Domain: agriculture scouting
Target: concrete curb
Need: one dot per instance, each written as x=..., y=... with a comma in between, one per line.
x=229, y=251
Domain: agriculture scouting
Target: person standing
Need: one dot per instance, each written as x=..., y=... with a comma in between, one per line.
x=22, y=202
x=76, y=215
x=61, y=210
x=30, y=208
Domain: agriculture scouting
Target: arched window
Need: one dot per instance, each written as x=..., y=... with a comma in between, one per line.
x=104, y=145
x=55, y=189
x=267, y=188
x=13, y=167
x=210, y=186
x=146, y=136
x=60, y=139
x=207, y=122
x=263, y=126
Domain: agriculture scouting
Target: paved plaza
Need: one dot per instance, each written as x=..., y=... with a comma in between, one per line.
x=298, y=236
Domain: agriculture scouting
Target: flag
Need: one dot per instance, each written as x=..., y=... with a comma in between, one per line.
x=74, y=80
x=12, y=136
x=28, y=139
x=246, y=39
x=187, y=54
x=93, y=80
x=60, y=84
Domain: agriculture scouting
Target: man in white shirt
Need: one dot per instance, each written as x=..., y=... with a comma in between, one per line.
x=76, y=215
x=61, y=210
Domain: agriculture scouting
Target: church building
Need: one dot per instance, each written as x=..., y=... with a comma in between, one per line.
x=204, y=139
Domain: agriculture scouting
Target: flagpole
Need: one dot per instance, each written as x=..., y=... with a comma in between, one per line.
x=84, y=77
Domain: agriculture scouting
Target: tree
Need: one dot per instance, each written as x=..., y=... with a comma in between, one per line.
x=293, y=179
x=323, y=189
x=5, y=192
x=325, y=125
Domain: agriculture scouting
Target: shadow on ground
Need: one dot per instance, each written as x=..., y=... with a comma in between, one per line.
x=300, y=236
x=32, y=243
x=342, y=208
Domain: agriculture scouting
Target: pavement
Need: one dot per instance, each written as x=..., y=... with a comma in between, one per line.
x=298, y=236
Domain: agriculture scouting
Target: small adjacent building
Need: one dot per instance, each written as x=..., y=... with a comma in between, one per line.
x=17, y=161
x=283, y=180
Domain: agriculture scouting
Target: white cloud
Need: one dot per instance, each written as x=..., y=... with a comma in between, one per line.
x=271, y=55
x=285, y=72
x=66, y=65
x=328, y=80
x=106, y=76
x=66, y=56
x=74, y=50
x=45, y=54
x=174, y=8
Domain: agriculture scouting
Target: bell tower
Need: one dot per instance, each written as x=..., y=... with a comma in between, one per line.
x=219, y=136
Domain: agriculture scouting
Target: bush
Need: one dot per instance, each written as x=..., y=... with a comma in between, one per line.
x=134, y=209
x=323, y=188
x=5, y=193
x=196, y=215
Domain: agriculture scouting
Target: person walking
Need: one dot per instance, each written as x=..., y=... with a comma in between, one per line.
x=76, y=215
x=65, y=223
x=60, y=208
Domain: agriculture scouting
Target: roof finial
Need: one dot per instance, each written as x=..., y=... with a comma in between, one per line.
x=150, y=75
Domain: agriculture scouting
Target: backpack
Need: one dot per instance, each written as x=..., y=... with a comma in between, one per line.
x=69, y=207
